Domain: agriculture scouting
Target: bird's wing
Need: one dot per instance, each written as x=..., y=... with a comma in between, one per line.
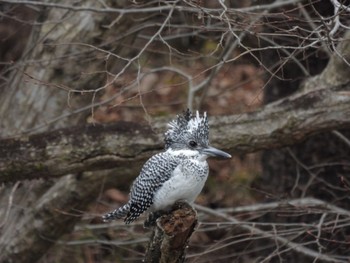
x=154, y=173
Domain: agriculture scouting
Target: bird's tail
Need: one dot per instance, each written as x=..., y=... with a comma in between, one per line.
x=121, y=212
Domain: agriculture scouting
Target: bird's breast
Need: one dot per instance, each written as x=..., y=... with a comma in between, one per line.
x=185, y=184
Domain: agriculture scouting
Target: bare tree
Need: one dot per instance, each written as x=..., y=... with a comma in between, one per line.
x=107, y=61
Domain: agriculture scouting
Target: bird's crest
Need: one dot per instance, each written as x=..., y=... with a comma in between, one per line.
x=188, y=126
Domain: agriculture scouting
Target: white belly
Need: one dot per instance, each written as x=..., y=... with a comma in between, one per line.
x=184, y=185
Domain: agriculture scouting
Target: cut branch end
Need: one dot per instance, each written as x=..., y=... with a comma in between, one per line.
x=171, y=234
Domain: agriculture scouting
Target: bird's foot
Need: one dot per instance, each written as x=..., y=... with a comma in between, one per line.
x=180, y=205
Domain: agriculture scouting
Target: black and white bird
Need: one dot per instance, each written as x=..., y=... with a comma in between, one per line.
x=177, y=174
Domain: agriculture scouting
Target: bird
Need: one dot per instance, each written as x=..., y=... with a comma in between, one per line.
x=176, y=174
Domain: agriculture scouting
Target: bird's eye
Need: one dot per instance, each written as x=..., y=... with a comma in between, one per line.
x=193, y=144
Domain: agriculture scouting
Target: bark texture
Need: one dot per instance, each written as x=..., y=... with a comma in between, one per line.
x=171, y=235
x=285, y=122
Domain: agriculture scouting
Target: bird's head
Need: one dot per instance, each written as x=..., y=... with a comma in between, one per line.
x=190, y=135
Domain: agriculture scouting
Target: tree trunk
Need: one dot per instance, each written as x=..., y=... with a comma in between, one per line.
x=37, y=98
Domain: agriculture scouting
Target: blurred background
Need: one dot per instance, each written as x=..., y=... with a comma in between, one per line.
x=68, y=63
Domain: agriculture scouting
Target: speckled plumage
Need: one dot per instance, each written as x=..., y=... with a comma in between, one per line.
x=185, y=127
x=179, y=173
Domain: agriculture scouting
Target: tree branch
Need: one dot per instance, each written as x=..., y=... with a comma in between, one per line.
x=53, y=214
x=171, y=235
x=298, y=247
x=86, y=148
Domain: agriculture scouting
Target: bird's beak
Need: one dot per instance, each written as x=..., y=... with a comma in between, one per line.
x=211, y=151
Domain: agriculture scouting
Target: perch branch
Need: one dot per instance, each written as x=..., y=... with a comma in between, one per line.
x=171, y=235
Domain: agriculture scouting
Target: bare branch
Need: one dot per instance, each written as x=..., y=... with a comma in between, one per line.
x=78, y=149
x=300, y=248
